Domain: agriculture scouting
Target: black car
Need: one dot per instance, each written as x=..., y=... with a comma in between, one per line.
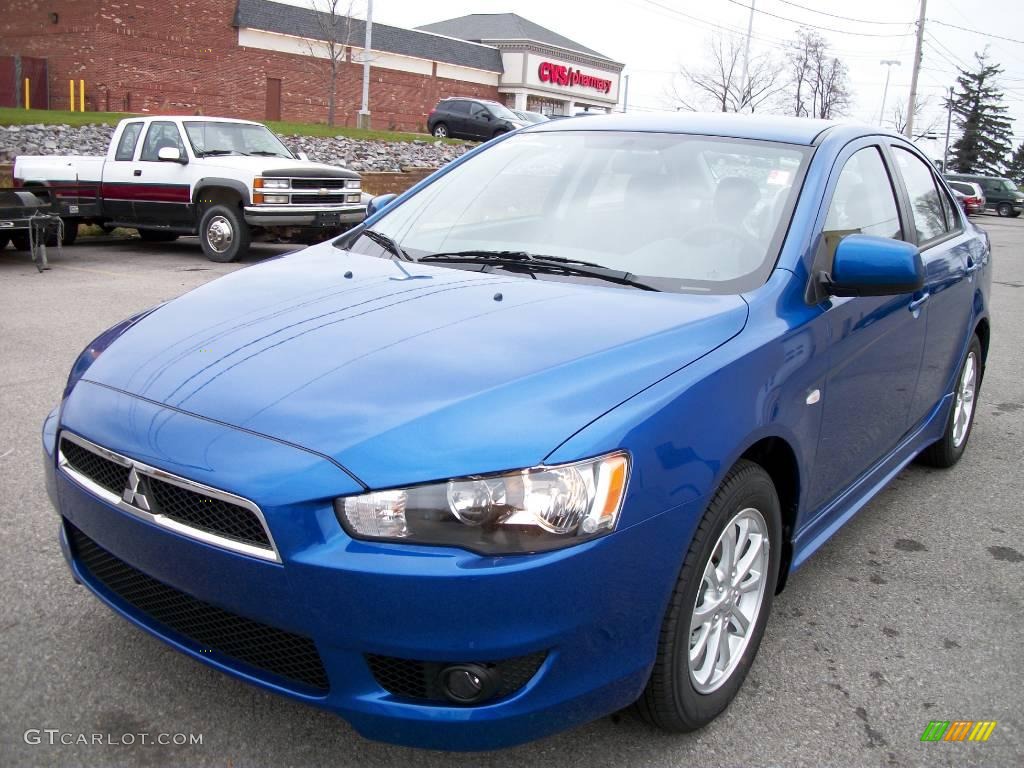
x=476, y=119
x=1001, y=195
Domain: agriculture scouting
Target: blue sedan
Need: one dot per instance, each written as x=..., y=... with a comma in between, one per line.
x=543, y=437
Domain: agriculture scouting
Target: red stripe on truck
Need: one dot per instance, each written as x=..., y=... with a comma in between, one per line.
x=147, y=193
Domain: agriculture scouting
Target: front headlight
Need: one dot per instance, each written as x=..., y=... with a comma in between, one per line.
x=529, y=510
x=352, y=184
x=275, y=199
x=272, y=183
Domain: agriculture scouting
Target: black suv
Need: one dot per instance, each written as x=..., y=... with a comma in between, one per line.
x=476, y=119
x=1001, y=195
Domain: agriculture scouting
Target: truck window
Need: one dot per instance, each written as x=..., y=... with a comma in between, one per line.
x=129, y=138
x=161, y=133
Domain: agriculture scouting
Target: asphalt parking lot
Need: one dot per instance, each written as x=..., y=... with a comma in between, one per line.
x=912, y=613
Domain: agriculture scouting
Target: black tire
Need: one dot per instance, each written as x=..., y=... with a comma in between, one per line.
x=440, y=131
x=1015, y=214
x=70, y=231
x=157, y=236
x=4, y=240
x=229, y=224
x=499, y=132
x=671, y=701
x=1004, y=209
x=945, y=452
x=21, y=241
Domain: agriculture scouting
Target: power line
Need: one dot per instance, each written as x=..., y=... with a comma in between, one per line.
x=968, y=29
x=814, y=26
x=843, y=18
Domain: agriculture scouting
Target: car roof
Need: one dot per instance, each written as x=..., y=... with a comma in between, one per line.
x=199, y=118
x=790, y=130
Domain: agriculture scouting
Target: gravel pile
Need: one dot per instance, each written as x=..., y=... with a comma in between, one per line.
x=356, y=154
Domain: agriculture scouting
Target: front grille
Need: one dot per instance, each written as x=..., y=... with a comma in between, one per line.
x=201, y=511
x=315, y=199
x=422, y=679
x=303, y=183
x=102, y=471
x=266, y=648
x=207, y=514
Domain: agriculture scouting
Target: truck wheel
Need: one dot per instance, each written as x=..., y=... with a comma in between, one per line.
x=223, y=234
x=70, y=231
x=157, y=236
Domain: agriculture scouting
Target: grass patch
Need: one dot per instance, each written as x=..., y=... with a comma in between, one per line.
x=14, y=116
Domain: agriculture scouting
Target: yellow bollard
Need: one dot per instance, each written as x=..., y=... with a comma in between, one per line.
x=81, y=95
x=71, y=100
x=28, y=104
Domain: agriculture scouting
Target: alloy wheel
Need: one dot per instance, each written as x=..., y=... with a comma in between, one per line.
x=963, y=408
x=729, y=600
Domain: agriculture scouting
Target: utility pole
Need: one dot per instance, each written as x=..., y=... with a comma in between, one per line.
x=625, y=95
x=949, y=122
x=912, y=104
x=364, y=111
x=746, y=56
x=888, y=64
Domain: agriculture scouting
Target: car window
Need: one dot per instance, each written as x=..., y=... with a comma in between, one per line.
x=863, y=201
x=930, y=218
x=477, y=110
x=637, y=202
x=961, y=187
x=129, y=138
x=457, y=107
x=161, y=134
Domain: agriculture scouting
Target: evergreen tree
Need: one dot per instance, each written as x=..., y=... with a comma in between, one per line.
x=1015, y=168
x=980, y=114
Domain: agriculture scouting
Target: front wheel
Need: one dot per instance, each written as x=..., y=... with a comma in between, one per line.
x=441, y=131
x=719, y=608
x=1004, y=209
x=948, y=449
x=223, y=234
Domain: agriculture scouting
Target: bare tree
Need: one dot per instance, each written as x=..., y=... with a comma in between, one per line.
x=334, y=25
x=899, y=118
x=819, y=83
x=719, y=85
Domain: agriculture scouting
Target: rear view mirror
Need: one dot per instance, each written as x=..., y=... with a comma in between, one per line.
x=865, y=265
x=170, y=155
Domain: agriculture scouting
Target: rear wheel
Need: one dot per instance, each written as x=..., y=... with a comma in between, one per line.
x=157, y=236
x=719, y=608
x=70, y=231
x=223, y=233
x=441, y=131
x=948, y=449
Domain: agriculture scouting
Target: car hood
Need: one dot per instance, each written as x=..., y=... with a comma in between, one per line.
x=278, y=166
x=404, y=372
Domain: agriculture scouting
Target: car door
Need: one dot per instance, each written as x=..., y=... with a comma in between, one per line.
x=950, y=263
x=117, y=185
x=163, y=192
x=480, y=121
x=457, y=115
x=874, y=343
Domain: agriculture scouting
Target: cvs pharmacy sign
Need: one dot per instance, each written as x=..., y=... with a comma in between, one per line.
x=559, y=74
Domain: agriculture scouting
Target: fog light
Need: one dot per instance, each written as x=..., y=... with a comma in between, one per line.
x=469, y=683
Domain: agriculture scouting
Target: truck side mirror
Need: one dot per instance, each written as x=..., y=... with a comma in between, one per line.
x=170, y=155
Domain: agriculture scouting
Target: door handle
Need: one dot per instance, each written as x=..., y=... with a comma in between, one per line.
x=917, y=303
x=136, y=173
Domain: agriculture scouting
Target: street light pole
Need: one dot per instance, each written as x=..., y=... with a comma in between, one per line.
x=888, y=64
x=912, y=103
x=949, y=122
x=746, y=56
x=364, y=111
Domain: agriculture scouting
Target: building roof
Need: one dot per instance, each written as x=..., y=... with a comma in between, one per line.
x=483, y=27
x=303, y=22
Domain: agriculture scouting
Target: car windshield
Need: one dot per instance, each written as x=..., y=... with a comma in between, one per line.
x=679, y=212
x=1008, y=185
x=503, y=112
x=214, y=137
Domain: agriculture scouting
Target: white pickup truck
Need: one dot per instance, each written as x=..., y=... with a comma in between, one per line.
x=225, y=180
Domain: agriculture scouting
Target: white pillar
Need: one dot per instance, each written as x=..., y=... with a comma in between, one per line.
x=570, y=108
x=520, y=101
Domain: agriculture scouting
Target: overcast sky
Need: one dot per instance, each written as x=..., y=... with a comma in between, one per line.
x=653, y=38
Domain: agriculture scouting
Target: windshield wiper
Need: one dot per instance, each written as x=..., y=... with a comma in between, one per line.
x=212, y=152
x=535, y=263
x=387, y=244
x=267, y=153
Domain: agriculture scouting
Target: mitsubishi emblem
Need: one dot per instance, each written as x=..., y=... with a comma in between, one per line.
x=132, y=494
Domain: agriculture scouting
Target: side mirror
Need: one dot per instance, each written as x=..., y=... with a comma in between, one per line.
x=865, y=265
x=170, y=155
x=378, y=203
x=302, y=155
x=486, y=115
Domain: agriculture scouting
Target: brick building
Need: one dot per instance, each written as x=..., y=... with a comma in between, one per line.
x=265, y=60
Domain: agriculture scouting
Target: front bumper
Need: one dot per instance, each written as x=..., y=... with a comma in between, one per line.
x=590, y=608
x=325, y=216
